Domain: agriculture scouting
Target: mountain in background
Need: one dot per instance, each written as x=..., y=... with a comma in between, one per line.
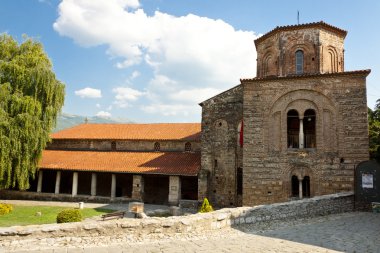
x=65, y=120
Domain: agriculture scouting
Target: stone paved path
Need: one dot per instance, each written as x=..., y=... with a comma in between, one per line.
x=349, y=232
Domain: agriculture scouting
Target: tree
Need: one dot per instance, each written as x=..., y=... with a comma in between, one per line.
x=206, y=207
x=374, y=130
x=30, y=99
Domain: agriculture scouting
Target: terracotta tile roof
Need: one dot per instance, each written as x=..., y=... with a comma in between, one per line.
x=168, y=163
x=319, y=24
x=364, y=72
x=161, y=131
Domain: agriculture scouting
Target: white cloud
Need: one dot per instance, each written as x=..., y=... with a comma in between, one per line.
x=89, y=93
x=97, y=105
x=125, y=95
x=104, y=114
x=170, y=110
x=194, y=96
x=187, y=54
x=135, y=74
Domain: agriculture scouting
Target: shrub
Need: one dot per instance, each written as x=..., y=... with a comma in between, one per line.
x=206, y=207
x=69, y=215
x=5, y=208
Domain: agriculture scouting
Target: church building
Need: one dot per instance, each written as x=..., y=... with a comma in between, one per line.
x=296, y=130
x=153, y=163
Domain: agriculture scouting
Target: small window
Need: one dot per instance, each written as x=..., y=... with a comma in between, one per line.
x=187, y=146
x=299, y=62
x=309, y=122
x=239, y=183
x=157, y=146
x=113, y=145
x=293, y=128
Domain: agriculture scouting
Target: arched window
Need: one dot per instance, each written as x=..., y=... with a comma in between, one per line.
x=293, y=128
x=299, y=62
x=187, y=146
x=157, y=146
x=309, y=128
x=240, y=134
x=266, y=66
x=239, y=183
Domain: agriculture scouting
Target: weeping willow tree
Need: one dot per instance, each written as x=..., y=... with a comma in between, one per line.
x=30, y=99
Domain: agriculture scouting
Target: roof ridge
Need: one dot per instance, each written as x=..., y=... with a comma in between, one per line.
x=352, y=72
x=299, y=26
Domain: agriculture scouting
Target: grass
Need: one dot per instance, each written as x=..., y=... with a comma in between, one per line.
x=26, y=215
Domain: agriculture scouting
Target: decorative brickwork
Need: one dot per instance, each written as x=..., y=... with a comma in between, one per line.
x=303, y=134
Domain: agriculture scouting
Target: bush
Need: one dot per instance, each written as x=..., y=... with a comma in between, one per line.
x=206, y=207
x=69, y=215
x=5, y=208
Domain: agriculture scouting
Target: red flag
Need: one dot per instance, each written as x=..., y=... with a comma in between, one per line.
x=241, y=134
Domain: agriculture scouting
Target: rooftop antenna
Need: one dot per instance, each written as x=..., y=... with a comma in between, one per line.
x=298, y=17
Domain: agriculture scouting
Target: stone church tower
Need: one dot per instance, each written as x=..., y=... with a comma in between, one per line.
x=304, y=122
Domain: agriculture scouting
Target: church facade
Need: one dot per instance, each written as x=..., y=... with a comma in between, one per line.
x=296, y=130
x=153, y=163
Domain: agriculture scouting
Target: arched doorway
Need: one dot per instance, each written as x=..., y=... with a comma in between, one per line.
x=295, y=186
x=306, y=187
x=303, y=186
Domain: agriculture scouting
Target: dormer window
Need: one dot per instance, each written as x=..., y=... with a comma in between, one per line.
x=157, y=146
x=299, y=62
x=187, y=146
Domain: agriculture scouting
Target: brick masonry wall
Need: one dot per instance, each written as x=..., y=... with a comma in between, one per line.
x=276, y=54
x=122, y=145
x=220, y=153
x=49, y=235
x=341, y=135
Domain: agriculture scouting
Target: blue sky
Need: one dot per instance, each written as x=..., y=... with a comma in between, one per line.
x=155, y=60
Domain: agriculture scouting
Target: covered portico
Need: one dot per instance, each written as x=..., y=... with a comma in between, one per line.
x=152, y=177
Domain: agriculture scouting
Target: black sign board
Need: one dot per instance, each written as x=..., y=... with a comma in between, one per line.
x=367, y=183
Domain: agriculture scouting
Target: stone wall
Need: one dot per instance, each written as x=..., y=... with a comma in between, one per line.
x=88, y=232
x=322, y=50
x=221, y=117
x=339, y=102
x=122, y=145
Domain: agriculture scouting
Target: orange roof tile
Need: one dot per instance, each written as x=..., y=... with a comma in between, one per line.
x=168, y=163
x=161, y=131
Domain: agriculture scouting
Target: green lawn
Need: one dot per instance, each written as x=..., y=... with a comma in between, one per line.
x=26, y=215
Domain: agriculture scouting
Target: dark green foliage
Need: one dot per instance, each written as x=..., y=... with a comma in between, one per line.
x=374, y=131
x=206, y=207
x=69, y=215
x=5, y=208
x=30, y=99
